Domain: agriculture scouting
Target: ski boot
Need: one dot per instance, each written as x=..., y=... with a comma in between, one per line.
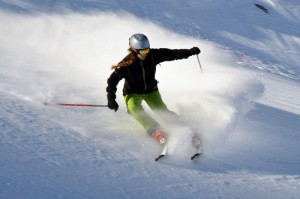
x=160, y=136
x=196, y=141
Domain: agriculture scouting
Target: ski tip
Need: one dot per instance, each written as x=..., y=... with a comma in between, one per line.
x=195, y=155
x=160, y=156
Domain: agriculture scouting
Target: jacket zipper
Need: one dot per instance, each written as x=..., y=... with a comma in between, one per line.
x=144, y=76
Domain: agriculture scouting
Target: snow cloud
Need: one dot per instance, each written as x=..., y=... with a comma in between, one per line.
x=67, y=58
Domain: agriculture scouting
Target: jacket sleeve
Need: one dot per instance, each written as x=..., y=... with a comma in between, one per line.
x=164, y=54
x=112, y=83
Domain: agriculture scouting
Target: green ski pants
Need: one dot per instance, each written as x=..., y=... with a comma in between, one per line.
x=156, y=104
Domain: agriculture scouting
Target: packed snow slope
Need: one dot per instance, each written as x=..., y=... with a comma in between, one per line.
x=245, y=102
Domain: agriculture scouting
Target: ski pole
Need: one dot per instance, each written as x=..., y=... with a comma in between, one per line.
x=199, y=62
x=64, y=104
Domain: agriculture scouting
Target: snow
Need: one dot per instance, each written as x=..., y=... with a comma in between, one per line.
x=246, y=101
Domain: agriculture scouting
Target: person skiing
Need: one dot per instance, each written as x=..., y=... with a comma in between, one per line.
x=138, y=69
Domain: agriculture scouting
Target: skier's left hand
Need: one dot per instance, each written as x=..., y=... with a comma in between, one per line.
x=195, y=51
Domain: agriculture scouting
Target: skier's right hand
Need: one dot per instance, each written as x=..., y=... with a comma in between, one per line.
x=113, y=105
x=195, y=51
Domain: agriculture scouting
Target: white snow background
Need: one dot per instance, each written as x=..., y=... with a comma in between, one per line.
x=246, y=101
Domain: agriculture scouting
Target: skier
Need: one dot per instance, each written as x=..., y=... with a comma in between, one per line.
x=138, y=69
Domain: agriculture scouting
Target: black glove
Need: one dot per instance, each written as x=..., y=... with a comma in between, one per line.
x=113, y=105
x=195, y=51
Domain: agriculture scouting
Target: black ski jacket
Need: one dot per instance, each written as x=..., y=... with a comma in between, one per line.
x=140, y=75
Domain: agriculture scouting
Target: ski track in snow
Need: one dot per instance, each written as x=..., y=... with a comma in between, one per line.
x=248, y=112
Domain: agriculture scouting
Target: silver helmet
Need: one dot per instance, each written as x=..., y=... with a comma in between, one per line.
x=139, y=41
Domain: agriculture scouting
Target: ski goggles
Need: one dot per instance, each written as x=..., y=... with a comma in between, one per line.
x=143, y=51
